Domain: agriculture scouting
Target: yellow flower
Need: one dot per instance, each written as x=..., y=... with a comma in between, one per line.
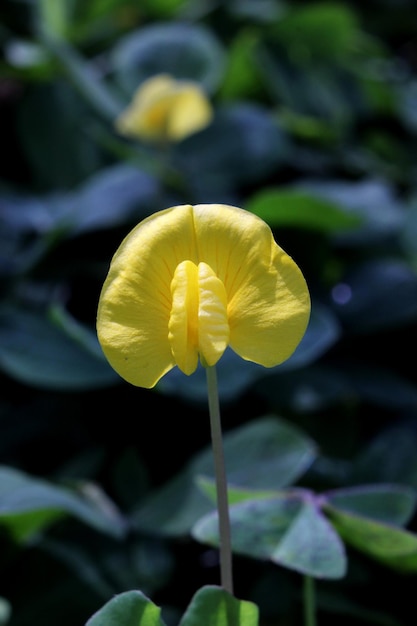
x=165, y=109
x=189, y=281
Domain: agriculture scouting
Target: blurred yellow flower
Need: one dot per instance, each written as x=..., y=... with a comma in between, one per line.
x=189, y=281
x=165, y=109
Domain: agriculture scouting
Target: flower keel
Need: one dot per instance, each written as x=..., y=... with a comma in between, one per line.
x=198, y=325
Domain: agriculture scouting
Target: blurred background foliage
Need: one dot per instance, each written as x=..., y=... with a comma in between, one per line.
x=315, y=130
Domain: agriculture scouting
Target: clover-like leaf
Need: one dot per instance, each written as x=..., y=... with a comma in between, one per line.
x=29, y=505
x=214, y=606
x=51, y=351
x=287, y=528
x=392, y=504
x=370, y=524
x=184, y=50
x=131, y=608
x=265, y=454
x=297, y=208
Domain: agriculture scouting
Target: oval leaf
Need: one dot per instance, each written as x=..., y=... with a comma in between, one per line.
x=373, y=201
x=265, y=454
x=297, y=208
x=288, y=529
x=322, y=332
x=380, y=461
x=29, y=504
x=310, y=389
x=243, y=144
x=5, y=611
x=116, y=195
x=131, y=608
x=393, y=546
x=393, y=504
x=182, y=50
x=311, y=546
x=51, y=353
x=214, y=605
x=382, y=295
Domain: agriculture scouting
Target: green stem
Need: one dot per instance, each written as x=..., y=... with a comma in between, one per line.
x=309, y=601
x=221, y=481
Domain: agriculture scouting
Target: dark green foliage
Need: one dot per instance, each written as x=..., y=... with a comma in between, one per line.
x=106, y=491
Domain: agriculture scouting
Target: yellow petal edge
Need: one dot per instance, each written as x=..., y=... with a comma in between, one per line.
x=187, y=282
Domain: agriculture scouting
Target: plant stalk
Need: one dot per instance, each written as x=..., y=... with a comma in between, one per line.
x=226, y=575
x=309, y=601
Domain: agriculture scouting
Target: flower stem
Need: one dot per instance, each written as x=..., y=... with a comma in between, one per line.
x=309, y=601
x=221, y=481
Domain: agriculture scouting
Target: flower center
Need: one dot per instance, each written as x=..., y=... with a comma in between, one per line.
x=198, y=324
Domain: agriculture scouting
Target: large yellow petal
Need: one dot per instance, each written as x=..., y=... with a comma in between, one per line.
x=268, y=299
x=269, y=313
x=135, y=302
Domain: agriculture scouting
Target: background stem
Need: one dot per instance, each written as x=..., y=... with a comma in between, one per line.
x=221, y=481
x=309, y=601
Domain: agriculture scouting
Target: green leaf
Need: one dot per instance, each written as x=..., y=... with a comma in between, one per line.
x=408, y=235
x=382, y=386
x=234, y=494
x=383, y=295
x=5, y=611
x=257, y=10
x=309, y=89
x=380, y=461
x=51, y=353
x=287, y=529
x=373, y=201
x=28, y=505
x=311, y=546
x=265, y=454
x=118, y=194
x=210, y=606
x=328, y=31
x=341, y=605
x=182, y=50
x=407, y=94
x=318, y=386
x=42, y=132
x=388, y=544
x=241, y=79
x=84, y=77
x=312, y=388
x=406, y=558
x=296, y=208
x=322, y=332
x=213, y=606
x=392, y=504
x=54, y=16
x=242, y=145
x=308, y=544
x=163, y=9
x=131, y=608
x=307, y=127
